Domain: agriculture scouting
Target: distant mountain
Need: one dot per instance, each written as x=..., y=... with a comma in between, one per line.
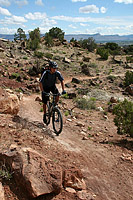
x=101, y=38
x=97, y=37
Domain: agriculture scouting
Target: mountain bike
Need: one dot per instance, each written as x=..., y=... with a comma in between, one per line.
x=53, y=111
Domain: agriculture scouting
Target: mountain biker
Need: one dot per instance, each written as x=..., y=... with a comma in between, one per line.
x=48, y=83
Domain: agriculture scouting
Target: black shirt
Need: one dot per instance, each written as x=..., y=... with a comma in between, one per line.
x=48, y=80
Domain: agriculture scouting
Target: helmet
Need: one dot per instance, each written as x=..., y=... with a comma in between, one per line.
x=53, y=64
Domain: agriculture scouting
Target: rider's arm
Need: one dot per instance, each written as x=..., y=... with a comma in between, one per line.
x=62, y=85
x=41, y=87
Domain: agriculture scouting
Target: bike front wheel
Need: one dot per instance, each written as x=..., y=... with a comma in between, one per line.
x=57, y=121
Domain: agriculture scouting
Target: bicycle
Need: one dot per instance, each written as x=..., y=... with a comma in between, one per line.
x=52, y=110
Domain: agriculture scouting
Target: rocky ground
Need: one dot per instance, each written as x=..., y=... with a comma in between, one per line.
x=89, y=142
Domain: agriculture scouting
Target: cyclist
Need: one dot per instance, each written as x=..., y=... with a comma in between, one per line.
x=48, y=83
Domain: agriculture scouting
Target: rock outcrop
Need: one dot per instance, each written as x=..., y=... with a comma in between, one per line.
x=9, y=102
x=32, y=171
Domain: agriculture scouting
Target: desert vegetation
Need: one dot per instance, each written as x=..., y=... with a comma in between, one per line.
x=97, y=115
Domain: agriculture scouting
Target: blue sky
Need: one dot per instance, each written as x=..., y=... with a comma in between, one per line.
x=72, y=16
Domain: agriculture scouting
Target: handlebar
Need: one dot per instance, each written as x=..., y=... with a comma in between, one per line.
x=51, y=94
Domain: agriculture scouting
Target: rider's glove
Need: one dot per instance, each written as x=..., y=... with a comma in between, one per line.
x=64, y=92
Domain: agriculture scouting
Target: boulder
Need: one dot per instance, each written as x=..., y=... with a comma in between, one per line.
x=73, y=178
x=32, y=171
x=75, y=80
x=66, y=60
x=2, y=196
x=86, y=58
x=9, y=102
x=85, y=69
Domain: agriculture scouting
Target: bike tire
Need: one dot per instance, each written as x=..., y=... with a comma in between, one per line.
x=57, y=121
x=47, y=114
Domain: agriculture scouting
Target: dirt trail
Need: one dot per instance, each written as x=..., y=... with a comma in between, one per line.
x=105, y=174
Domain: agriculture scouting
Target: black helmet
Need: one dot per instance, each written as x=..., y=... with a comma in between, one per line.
x=53, y=64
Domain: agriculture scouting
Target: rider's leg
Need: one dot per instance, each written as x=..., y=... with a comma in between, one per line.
x=44, y=100
x=57, y=99
x=44, y=108
x=54, y=90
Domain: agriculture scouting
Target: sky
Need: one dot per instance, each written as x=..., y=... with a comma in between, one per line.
x=107, y=17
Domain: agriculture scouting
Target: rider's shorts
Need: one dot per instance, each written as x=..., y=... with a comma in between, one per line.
x=53, y=89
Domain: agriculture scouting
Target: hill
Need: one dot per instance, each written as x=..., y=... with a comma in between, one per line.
x=88, y=160
x=98, y=37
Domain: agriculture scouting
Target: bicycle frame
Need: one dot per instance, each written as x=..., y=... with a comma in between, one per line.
x=54, y=112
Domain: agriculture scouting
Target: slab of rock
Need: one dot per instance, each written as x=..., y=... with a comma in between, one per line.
x=73, y=178
x=9, y=102
x=32, y=171
x=2, y=196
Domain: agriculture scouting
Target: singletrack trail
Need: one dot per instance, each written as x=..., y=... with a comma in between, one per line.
x=100, y=163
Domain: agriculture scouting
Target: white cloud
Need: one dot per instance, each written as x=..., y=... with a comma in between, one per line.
x=6, y=30
x=89, y=9
x=72, y=26
x=18, y=19
x=79, y=0
x=104, y=21
x=4, y=11
x=13, y=20
x=103, y=9
x=48, y=23
x=39, y=2
x=81, y=24
x=5, y=3
x=72, y=19
x=21, y=2
x=124, y=1
x=35, y=16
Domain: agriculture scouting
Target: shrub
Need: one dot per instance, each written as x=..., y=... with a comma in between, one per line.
x=88, y=44
x=25, y=58
x=112, y=46
x=124, y=117
x=38, y=54
x=48, y=40
x=49, y=55
x=14, y=76
x=56, y=32
x=103, y=53
x=5, y=172
x=87, y=104
x=129, y=59
x=128, y=49
x=34, y=39
x=128, y=78
x=66, y=113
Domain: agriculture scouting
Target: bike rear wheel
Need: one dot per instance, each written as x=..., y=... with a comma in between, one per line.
x=57, y=121
x=47, y=114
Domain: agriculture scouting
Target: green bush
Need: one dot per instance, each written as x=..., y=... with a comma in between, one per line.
x=86, y=104
x=124, y=117
x=48, y=55
x=34, y=39
x=103, y=53
x=38, y=54
x=48, y=40
x=56, y=32
x=14, y=75
x=89, y=44
x=128, y=78
x=129, y=59
x=5, y=173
